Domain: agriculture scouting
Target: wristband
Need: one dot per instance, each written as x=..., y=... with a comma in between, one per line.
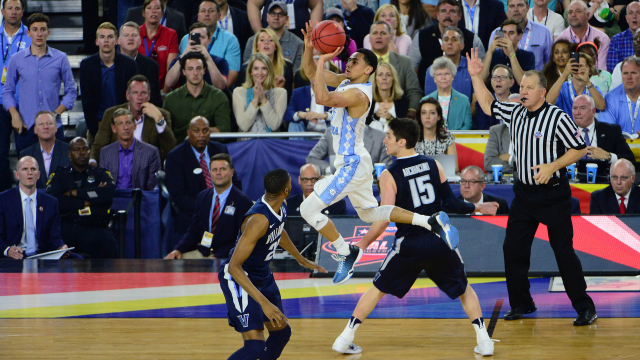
x=512, y=55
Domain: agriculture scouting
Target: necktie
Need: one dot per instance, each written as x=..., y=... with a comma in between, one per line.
x=205, y=172
x=587, y=140
x=29, y=228
x=623, y=209
x=215, y=214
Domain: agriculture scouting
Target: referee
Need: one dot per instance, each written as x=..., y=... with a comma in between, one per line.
x=545, y=141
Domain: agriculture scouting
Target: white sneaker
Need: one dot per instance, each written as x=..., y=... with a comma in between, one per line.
x=343, y=346
x=484, y=348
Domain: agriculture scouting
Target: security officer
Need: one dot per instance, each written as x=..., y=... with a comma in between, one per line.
x=85, y=195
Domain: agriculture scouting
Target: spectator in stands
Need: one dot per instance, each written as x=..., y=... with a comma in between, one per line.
x=426, y=40
x=580, y=31
x=232, y=19
x=153, y=124
x=196, y=97
x=301, y=12
x=535, y=38
x=401, y=42
x=129, y=41
x=132, y=164
x=616, y=76
x=266, y=42
x=501, y=51
x=49, y=152
x=600, y=78
x=214, y=227
x=324, y=150
x=490, y=14
x=371, y=4
x=337, y=15
x=222, y=44
x=542, y=14
x=217, y=73
x=188, y=172
x=452, y=45
x=604, y=141
x=501, y=82
x=40, y=81
x=564, y=91
x=304, y=114
x=472, y=185
x=498, y=150
x=621, y=197
x=622, y=101
x=309, y=176
x=380, y=35
x=621, y=45
x=27, y=231
x=300, y=79
x=103, y=79
x=388, y=98
x=456, y=110
x=291, y=45
x=159, y=42
x=169, y=17
x=258, y=104
x=85, y=195
x=560, y=52
x=357, y=18
x=14, y=34
x=412, y=15
x=434, y=139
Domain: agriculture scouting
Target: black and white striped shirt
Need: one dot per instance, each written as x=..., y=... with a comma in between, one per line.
x=538, y=137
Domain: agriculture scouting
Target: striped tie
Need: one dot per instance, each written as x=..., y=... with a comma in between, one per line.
x=215, y=214
x=205, y=172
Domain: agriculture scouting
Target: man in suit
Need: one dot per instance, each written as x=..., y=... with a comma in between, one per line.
x=187, y=166
x=324, y=149
x=132, y=164
x=235, y=21
x=153, y=124
x=221, y=209
x=621, y=197
x=129, y=41
x=309, y=175
x=380, y=37
x=172, y=18
x=471, y=186
x=481, y=17
x=304, y=114
x=85, y=195
x=497, y=150
x=103, y=78
x=49, y=152
x=29, y=220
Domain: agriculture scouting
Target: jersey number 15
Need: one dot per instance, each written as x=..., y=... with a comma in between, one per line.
x=422, y=191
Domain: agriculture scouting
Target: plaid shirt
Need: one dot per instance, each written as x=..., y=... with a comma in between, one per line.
x=620, y=48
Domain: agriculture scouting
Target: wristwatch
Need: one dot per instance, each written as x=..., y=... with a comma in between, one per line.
x=161, y=122
x=58, y=116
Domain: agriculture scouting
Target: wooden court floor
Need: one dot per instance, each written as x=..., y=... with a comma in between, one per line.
x=610, y=338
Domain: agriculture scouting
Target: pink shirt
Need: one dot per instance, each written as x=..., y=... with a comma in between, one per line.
x=403, y=43
x=591, y=34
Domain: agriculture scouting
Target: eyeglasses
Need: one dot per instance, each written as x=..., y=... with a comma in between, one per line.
x=622, y=178
x=313, y=179
x=499, y=77
x=470, y=182
x=277, y=14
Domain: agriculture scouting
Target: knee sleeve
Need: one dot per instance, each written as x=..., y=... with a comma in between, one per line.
x=311, y=210
x=276, y=342
x=252, y=349
x=380, y=213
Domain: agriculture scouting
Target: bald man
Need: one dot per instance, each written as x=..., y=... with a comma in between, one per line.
x=309, y=175
x=621, y=196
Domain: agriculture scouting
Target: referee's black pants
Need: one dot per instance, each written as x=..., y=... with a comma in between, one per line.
x=551, y=206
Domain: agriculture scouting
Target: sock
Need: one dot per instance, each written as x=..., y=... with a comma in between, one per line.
x=252, y=350
x=421, y=220
x=275, y=343
x=481, y=330
x=349, y=332
x=341, y=246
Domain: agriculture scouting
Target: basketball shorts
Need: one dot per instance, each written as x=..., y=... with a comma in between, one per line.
x=245, y=314
x=410, y=255
x=353, y=179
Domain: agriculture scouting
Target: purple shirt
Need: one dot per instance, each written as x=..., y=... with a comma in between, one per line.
x=125, y=167
x=39, y=81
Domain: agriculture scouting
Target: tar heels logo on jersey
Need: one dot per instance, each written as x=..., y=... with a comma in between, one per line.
x=334, y=130
x=244, y=319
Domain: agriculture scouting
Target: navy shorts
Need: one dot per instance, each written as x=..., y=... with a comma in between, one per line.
x=244, y=313
x=410, y=255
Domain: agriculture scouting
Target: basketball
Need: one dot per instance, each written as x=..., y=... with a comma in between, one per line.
x=327, y=36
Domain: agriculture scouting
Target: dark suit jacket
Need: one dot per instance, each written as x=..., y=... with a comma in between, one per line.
x=604, y=201
x=360, y=22
x=226, y=232
x=241, y=27
x=151, y=70
x=175, y=19
x=503, y=207
x=12, y=225
x=293, y=206
x=183, y=185
x=60, y=157
x=575, y=206
x=491, y=17
x=91, y=85
x=610, y=139
x=401, y=105
x=300, y=101
x=146, y=161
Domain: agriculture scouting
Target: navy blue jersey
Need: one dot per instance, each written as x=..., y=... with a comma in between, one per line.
x=418, y=183
x=257, y=264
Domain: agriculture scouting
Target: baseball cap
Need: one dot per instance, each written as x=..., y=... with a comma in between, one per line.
x=281, y=4
x=333, y=11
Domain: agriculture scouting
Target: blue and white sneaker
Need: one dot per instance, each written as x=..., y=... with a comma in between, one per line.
x=442, y=227
x=347, y=262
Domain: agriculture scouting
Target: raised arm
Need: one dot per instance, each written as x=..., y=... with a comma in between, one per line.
x=554, y=92
x=310, y=67
x=253, y=13
x=482, y=93
x=346, y=99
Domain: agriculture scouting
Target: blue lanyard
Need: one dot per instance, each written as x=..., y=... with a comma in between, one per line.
x=586, y=37
x=153, y=44
x=472, y=13
x=226, y=22
x=163, y=22
x=6, y=54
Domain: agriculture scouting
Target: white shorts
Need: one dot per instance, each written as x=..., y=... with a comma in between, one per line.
x=354, y=179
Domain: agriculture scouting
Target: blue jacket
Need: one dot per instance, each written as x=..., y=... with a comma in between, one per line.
x=459, y=111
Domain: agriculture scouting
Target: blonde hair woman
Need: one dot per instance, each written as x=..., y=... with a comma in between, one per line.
x=258, y=104
x=388, y=97
x=266, y=42
x=401, y=42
